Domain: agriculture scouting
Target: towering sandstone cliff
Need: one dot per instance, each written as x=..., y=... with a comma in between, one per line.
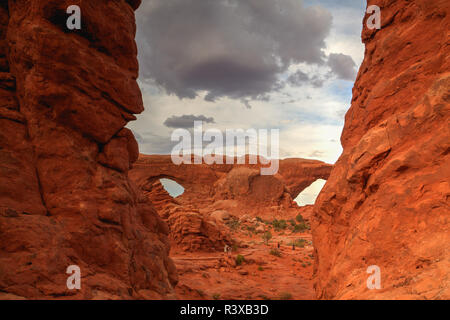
x=65, y=196
x=386, y=202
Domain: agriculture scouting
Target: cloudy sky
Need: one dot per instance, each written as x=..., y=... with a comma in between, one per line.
x=263, y=64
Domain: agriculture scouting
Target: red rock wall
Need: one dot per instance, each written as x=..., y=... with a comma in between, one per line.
x=386, y=202
x=65, y=196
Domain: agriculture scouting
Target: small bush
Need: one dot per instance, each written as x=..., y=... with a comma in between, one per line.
x=285, y=296
x=279, y=224
x=260, y=268
x=275, y=252
x=301, y=227
x=259, y=219
x=233, y=224
x=299, y=218
x=267, y=236
x=292, y=222
x=216, y=296
x=299, y=243
x=240, y=260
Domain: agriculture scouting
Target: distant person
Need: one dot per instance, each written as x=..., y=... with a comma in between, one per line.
x=228, y=249
x=278, y=245
x=293, y=246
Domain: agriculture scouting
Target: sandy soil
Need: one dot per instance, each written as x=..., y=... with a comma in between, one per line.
x=212, y=275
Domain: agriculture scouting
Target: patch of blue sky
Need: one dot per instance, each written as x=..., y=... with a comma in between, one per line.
x=172, y=187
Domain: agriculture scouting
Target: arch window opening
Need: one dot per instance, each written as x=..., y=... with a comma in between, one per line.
x=172, y=187
x=309, y=195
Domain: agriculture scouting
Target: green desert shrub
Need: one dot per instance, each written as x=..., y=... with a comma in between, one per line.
x=299, y=243
x=299, y=218
x=301, y=227
x=240, y=259
x=285, y=296
x=279, y=224
x=233, y=224
x=266, y=237
x=275, y=252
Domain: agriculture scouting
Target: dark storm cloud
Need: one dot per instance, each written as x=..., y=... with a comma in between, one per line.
x=338, y=4
x=186, y=121
x=228, y=48
x=299, y=78
x=342, y=65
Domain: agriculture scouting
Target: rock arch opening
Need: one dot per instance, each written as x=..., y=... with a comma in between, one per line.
x=173, y=188
x=309, y=195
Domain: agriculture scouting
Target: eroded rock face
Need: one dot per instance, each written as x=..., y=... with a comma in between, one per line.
x=237, y=188
x=219, y=194
x=65, y=197
x=386, y=202
x=189, y=229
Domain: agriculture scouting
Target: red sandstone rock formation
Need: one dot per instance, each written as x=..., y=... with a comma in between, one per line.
x=386, y=202
x=190, y=229
x=214, y=191
x=65, y=198
x=239, y=189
